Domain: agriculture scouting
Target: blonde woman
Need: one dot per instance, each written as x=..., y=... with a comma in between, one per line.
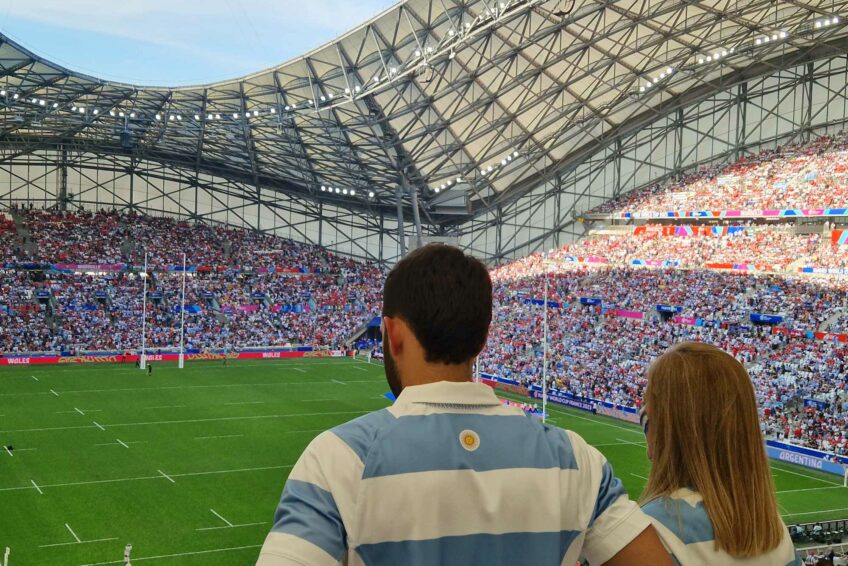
x=710, y=494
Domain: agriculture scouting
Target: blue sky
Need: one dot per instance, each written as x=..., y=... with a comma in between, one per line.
x=178, y=42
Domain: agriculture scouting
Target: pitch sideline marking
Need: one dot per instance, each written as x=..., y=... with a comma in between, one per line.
x=176, y=555
x=339, y=382
x=218, y=436
x=638, y=476
x=814, y=512
x=166, y=476
x=80, y=412
x=54, y=393
x=809, y=489
x=35, y=378
x=229, y=524
x=8, y=451
x=184, y=421
x=80, y=542
x=805, y=476
x=122, y=443
x=157, y=477
x=36, y=487
x=232, y=527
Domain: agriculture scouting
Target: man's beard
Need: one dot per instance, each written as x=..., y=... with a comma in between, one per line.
x=392, y=375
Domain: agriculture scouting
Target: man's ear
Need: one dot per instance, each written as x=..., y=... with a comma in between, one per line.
x=393, y=331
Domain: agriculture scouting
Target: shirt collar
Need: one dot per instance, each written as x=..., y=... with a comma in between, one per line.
x=450, y=392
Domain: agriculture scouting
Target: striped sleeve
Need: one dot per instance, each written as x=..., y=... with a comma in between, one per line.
x=615, y=520
x=309, y=524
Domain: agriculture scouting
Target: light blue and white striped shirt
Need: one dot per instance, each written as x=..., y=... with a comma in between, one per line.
x=687, y=532
x=450, y=476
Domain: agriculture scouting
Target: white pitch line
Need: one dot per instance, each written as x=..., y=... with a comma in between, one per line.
x=231, y=527
x=157, y=477
x=810, y=489
x=639, y=444
x=814, y=512
x=25, y=449
x=72, y=532
x=122, y=443
x=35, y=378
x=229, y=524
x=595, y=421
x=246, y=403
x=301, y=370
x=97, y=424
x=806, y=476
x=8, y=451
x=218, y=436
x=339, y=382
x=359, y=368
x=123, y=389
x=139, y=559
x=185, y=421
x=54, y=393
x=167, y=407
x=80, y=542
x=80, y=412
x=638, y=476
x=166, y=476
x=36, y=487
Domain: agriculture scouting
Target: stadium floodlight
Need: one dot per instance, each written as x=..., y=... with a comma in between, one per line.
x=429, y=49
x=370, y=194
x=329, y=95
x=323, y=188
x=121, y=114
x=323, y=98
x=347, y=90
x=515, y=154
x=82, y=110
x=641, y=89
x=357, y=88
x=3, y=92
x=197, y=117
x=179, y=117
x=55, y=105
x=392, y=70
x=112, y=113
x=171, y=117
x=724, y=53
x=835, y=20
x=132, y=114
x=235, y=115
x=217, y=116
x=503, y=162
x=352, y=193
x=489, y=169
x=338, y=190
x=757, y=41
x=158, y=117
x=209, y=116
x=774, y=37
x=700, y=60
x=73, y=108
x=818, y=24
x=482, y=171
x=783, y=35
x=418, y=53
x=273, y=110
x=458, y=179
x=451, y=33
x=16, y=96
x=287, y=108
x=96, y=111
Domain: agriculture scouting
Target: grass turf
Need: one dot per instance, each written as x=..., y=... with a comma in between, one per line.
x=188, y=465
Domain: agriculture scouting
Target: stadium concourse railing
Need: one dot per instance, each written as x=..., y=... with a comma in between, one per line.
x=169, y=355
x=785, y=452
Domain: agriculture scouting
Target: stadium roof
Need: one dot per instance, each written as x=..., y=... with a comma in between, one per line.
x=472, y=103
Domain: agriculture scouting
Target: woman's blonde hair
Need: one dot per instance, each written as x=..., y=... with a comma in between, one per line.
x=706, y=436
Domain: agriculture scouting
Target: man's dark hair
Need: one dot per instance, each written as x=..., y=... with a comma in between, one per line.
x=445, y=297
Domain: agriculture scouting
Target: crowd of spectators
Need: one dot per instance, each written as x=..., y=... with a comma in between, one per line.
x=595, y=354
x=813, y=175
x=306, y=296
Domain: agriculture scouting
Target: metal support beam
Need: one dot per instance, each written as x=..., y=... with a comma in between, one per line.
x=741, y=119
x=63, y=179
x=401, y=241
x=416, y=214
